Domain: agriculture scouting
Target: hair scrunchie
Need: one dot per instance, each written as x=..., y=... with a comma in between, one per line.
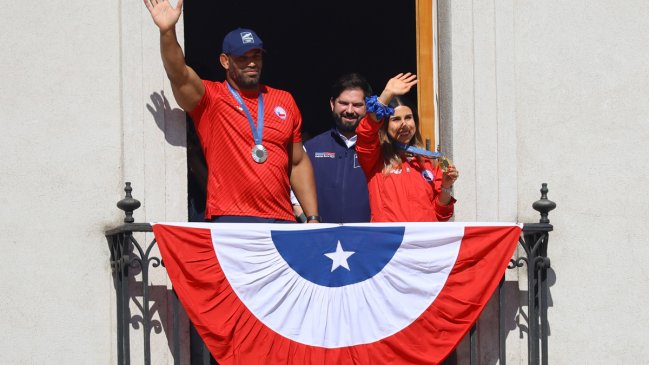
x=373, y=105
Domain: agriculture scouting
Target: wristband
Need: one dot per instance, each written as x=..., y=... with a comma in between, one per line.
x=301, y=218
x=373, y=105
x=448, y=190
x=314, y=218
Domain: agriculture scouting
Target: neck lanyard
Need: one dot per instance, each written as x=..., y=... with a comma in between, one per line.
x=258, y=131
x=417, y=151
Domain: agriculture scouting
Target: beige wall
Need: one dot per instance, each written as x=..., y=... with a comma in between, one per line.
x=558, y=92
x=530, y=92
x=76, y=79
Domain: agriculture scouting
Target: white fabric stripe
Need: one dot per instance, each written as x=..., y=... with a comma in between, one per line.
x=336, y=317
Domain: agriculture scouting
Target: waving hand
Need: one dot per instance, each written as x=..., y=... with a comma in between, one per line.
x=398, y=85
x=164, y=15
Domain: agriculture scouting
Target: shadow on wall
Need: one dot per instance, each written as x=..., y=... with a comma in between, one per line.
x=521, y=318
x=170, y=121
x=516, y=320
x=160, y=314
x=151, y=310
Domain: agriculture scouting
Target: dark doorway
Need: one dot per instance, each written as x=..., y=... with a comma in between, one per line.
x=309, y=44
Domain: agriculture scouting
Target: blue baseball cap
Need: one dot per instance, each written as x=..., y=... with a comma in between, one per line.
x=240, y=41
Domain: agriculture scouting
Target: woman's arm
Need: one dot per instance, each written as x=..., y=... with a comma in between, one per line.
x=368, y=146
x=444, y=203
x=448, y=179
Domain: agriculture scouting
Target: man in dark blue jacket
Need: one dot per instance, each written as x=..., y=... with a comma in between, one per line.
x=340, y=181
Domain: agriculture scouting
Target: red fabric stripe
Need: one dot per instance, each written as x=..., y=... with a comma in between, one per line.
x=235, y=336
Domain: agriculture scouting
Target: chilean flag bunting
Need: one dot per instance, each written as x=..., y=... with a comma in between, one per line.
x=380, y=293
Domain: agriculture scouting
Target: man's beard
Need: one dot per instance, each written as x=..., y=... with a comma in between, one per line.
x=245, y=82
x=344, y=127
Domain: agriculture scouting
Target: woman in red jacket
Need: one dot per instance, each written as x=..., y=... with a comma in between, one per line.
x=404, y=183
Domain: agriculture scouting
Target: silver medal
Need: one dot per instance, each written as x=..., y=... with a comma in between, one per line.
x=259, y=153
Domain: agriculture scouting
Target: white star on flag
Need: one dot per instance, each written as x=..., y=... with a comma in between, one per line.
x=339, y=258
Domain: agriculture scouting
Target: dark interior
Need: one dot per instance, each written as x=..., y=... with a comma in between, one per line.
x=309, y=44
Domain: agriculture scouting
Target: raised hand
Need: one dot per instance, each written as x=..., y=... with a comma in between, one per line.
x=164, y=15
x=396, y=86
x=401, y=84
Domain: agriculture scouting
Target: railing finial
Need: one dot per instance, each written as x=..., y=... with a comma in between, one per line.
x=544, y=205
x=128, y=204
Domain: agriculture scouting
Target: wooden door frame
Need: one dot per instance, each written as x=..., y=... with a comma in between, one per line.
x=426, y=72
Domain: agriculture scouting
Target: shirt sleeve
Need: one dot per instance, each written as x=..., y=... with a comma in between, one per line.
x=442, y=212
x=197, y=113
x=199, y=109
x=368, y=146
x=297, y=122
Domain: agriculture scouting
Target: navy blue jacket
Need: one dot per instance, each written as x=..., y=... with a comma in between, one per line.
x=340, y=181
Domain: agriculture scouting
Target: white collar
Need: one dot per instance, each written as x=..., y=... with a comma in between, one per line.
x=349, y=142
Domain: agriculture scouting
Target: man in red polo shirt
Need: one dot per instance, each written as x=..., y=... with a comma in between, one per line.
x=249, y=132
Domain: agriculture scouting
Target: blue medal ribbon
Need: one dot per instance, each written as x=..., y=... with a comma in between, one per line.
x=417, y=151
x=258, y=131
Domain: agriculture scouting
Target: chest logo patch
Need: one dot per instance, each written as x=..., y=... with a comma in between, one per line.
x=280, y=112
x=428, y=175
x=325, y=155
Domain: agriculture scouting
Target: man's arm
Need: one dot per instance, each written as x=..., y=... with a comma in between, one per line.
x=302, y=180
x=187, y=87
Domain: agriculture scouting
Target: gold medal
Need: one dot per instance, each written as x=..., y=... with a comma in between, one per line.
x=444, y=163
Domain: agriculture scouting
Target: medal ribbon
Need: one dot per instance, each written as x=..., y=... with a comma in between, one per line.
x=418, y=151
x=258, y=132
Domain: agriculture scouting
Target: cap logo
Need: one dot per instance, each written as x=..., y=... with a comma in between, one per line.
x=246, y=37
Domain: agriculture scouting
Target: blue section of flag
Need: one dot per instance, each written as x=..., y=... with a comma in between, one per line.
x=304, y=251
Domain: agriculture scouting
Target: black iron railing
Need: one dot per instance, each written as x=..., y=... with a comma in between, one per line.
x=128, y=259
